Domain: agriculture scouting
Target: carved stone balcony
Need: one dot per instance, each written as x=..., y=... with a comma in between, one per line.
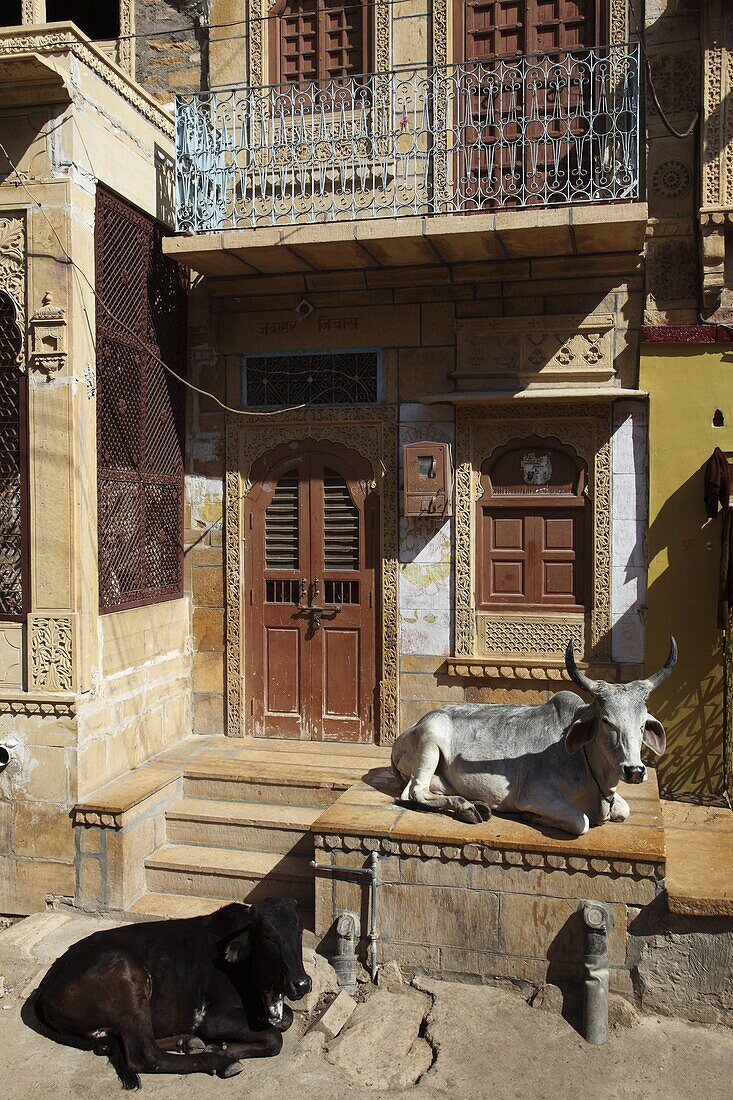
x=422, y=153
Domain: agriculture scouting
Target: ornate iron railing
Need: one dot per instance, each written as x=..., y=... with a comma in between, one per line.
x=551, y=129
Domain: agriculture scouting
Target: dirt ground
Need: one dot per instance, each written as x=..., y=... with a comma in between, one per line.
x=457, y=1041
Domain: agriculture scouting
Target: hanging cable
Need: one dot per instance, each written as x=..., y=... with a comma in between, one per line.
x=681, y=134
x=140, y=344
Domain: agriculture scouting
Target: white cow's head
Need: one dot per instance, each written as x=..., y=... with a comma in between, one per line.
x=617, y=719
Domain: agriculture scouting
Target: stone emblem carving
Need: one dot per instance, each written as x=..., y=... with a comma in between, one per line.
x=48, y=337
x=536, y=468
x=671, y=179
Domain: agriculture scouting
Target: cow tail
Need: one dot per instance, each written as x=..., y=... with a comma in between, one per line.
x=112, y=1047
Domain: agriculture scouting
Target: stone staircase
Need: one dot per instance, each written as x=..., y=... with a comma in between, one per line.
x=232, y=821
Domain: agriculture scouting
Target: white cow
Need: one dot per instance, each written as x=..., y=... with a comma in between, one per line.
x=559, y=762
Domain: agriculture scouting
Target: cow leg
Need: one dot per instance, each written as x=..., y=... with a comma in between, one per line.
x=551, y=809
x=231, y=1026
x=419, y=790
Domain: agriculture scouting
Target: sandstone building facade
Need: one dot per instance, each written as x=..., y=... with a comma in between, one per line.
x=431, y=300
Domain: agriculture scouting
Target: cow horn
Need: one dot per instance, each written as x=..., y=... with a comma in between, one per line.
x=653, y=682
x=574, y=672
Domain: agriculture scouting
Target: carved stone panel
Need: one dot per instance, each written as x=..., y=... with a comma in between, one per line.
x=11, y=656
x=506, y=351
x=51, y=653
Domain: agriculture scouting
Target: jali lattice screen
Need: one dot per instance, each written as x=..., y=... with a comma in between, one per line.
x=141, y=320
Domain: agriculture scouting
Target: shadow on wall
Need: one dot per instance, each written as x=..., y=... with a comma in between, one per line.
x=683, y=601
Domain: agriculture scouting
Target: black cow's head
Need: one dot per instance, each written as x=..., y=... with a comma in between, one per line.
x=271, y=943
x=617, y=719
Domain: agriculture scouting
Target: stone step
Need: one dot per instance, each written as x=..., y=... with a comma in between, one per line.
x=154, y=906
x=194, y=870
x=244, y=826
x=254, y=781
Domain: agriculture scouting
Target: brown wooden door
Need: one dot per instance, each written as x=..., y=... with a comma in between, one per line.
x=310, y=619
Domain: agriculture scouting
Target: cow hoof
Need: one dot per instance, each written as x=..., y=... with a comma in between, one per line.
x=484, y=809
x=232, y=1069
x=469, y=815
x=195, y=1045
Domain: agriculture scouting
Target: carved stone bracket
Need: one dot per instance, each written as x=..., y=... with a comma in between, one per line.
x=47, y=328
x=373, y=435
x=479, y=432
x=51, y=653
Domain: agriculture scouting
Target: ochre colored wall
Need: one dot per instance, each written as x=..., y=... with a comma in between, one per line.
x=686, y=386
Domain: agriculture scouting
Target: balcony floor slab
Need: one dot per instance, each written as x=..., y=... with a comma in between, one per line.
x=407, y=242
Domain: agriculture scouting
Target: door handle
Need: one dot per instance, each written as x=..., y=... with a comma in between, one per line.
x=316, y=613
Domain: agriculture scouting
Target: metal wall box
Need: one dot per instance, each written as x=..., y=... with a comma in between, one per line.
x=427, y=479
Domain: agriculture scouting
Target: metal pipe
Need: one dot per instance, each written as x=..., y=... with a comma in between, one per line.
x=371, y=873
x=598, y=922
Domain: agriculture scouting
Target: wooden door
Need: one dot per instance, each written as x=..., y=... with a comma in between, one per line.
x=310, y=623
x=511, y=128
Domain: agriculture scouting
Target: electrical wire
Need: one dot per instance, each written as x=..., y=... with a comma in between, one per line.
x=140, y=343
x=681, y=134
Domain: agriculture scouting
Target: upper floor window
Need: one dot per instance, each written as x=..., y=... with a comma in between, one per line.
x=100, y=21
x=486, y=29
x=12, y=14
x=532, y=533
x=320, y=40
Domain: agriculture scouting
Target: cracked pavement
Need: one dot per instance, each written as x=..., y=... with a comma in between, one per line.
x=457, y=1041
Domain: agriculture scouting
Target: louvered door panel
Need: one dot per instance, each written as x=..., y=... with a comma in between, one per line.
x=281, y=525
x=340, y=524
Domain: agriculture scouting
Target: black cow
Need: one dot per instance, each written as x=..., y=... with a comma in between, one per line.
x=212, y=986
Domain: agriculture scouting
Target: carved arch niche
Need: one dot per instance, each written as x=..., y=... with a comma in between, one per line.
x=373, y=436
x=537, y=636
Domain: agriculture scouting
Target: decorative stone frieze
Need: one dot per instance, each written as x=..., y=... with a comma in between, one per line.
x=487, y=855
x=43, y=41
x=505, y=351
x=38, y=708
x=530, y=635
x=96, y=819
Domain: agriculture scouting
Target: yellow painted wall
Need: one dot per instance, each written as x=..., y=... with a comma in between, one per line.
x=686, y=386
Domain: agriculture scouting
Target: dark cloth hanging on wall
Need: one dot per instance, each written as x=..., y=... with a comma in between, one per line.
x=718, y=483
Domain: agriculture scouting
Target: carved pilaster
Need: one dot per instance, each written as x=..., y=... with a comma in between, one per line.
x=12, y=265
x=33, y=11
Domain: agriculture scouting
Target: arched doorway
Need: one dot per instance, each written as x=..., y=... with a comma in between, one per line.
x=311, y=552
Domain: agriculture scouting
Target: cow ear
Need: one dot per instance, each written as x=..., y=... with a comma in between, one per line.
x=581, y=731
x=238, y=948
x=654, y=735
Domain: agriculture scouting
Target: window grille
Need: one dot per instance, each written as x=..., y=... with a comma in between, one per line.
x=140, y=409
x=13, y=473
x=326, y=378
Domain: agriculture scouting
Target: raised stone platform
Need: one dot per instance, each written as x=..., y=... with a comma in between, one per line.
x=496, y=900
